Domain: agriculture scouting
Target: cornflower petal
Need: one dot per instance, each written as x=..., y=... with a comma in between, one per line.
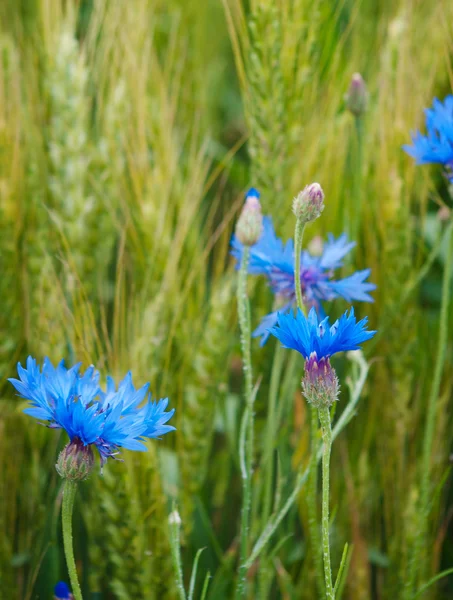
x=437, y=145
x=266, y=324
x=307, y=335
x=354, y=287
x=335, y=250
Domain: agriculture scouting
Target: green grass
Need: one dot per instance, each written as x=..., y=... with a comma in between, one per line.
x=128, y=133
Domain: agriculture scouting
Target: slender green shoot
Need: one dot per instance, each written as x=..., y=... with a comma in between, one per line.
x=247, y=423
x=343, y=562
x=324, y=417
x=174, y=521
x=193, y=577
x=69, y=492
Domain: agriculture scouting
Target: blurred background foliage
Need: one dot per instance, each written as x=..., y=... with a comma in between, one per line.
x=128, y=134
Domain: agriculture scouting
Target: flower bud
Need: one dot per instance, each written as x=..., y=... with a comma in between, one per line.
x=443, y=214
x=316, y=246
x=174, y=518
x=320, y=383
x=75, y=461
x=309, y=203
x=250, y=223
x=357, y=96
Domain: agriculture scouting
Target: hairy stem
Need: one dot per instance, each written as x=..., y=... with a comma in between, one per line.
x=313, y=477
x=298, y=237
x=324, y=418
x=69, y=491
x=175, y=547
x=271, y=427
x=356, y=213
x=272, y=423
x=244, y=324
x=312, y=494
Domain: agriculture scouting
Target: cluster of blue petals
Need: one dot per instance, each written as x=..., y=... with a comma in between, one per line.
x=68, y=399
x=437, y=145
x=308, y=335
x=275, y=260
x=61, y=591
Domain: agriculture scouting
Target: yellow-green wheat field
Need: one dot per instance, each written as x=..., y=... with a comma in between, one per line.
x=129, y=133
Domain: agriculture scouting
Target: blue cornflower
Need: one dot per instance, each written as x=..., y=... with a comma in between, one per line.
x=317, y=341
x=309, y=336
x=437, y=145
x=275, y=260
x=68, y=399
x=61, y=591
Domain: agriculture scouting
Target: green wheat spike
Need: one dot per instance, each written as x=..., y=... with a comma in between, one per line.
x=201, y=397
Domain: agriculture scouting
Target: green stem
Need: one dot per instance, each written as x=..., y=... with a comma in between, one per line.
x=312, y=505
x=244, y=324
x=431, y=418
x=433, y=580
x=312, y=486
x=298, y=237
x=174, y=522
x=342, y=571
x=69, y=491
x=324, y=418
x=265, y=577
x=356, y=215
x=271, y=426
x=352, y=211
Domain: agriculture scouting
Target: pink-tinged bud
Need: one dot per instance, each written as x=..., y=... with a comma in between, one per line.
x=75, y=461
x=443, y=214
x=250, y=223
x=316, y=246
x=357, y=95
x=320, y=383
x=309, y=203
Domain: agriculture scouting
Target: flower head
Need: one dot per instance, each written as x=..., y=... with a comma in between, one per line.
x=309, y=203
x=61, y=592
x=320, y=383
x=275, y=260
x=437, y=145
x=68, y=399
x=357, y=96
x=250, y=223
x=309, y=336
x=75, y=461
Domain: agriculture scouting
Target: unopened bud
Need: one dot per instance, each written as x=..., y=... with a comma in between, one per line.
x=316, y=246
x=357, y=95
x=309, y=203
x=250, y=223
x=443, y=214
x=320, y=383
x=75, y=461
x=174, y=518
